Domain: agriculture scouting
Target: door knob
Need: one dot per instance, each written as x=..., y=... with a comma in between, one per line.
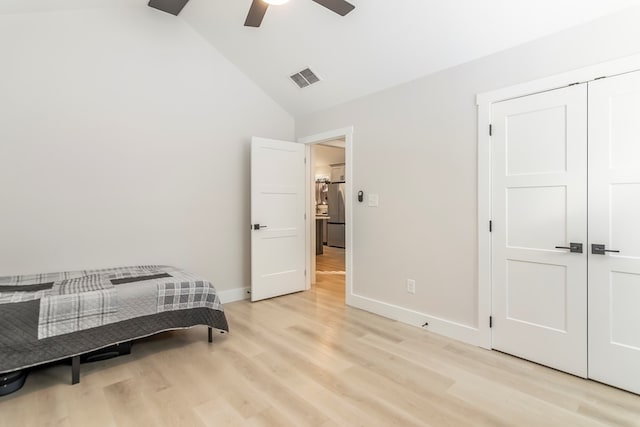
x=258, y=226
x=576, y=248
x=600, y=250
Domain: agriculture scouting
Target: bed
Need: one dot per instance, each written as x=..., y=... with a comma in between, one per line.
x=55, y=316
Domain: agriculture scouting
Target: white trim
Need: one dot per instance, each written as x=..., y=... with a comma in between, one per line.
x=232, y=295
x=347, y=134
x=310, y=232
x=581, y=75
x=484, y=216
x=328, y=136
x=484, y=102
x=438, y=325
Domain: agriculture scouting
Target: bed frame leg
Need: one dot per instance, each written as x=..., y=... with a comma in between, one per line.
x=210, y=334
x=75, y=369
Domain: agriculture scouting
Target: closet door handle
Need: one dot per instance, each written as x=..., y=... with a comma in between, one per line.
x=600, y=250
x=575, y=248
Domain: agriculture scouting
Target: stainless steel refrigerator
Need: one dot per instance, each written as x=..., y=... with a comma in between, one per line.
x=336, y=225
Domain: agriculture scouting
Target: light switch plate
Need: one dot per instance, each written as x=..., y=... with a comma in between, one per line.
x=373, y=200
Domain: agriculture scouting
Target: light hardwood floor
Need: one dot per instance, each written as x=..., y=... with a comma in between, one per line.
x=307, y=360
x=332, y=259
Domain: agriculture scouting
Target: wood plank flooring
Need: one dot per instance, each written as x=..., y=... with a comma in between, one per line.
x=332, y=260
x=307, y=360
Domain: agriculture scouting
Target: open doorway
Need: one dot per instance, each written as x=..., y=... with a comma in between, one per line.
x=330, y=271
x=329, y=174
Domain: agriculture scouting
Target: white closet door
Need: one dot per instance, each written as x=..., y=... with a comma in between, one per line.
x=539, y=203
x=614, y=221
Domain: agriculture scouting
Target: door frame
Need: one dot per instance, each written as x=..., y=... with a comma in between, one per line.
x=484, y=103
x=310, y=265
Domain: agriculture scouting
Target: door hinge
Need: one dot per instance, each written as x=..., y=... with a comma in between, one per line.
x=305, y=160
x=490, y=226
x=305, y=272
x=490, y=130
x=305, y=216
x=491, y=321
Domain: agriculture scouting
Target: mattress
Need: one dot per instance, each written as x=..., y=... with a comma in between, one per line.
x=54, y=316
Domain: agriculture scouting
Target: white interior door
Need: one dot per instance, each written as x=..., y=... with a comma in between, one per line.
x=614, y=221
x=277, y=218
x=539, y=203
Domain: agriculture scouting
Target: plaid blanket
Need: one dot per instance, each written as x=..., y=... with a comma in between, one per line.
x=49, y=317
x=75, y=301
x=14, y=289
x=89, y=283
x=185, y=295
x=85, y=304
x=7, y=282
x=11, y=296
x=10, y=282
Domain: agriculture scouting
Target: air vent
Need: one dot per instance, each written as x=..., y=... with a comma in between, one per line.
x=304, y=78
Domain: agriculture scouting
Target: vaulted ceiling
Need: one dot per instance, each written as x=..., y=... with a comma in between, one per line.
x=382, y=43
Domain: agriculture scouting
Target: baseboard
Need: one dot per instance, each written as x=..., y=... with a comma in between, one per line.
x=231, y=295
x=448, y=328
x=438, y=325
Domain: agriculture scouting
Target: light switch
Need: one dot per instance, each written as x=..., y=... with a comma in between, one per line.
x=373, y=200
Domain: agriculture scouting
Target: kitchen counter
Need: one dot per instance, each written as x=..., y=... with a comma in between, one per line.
x=320, y=232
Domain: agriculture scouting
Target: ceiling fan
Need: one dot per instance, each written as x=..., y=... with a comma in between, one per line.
x=259, y=8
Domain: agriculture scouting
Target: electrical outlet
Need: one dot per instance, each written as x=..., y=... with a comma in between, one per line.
x=411, y=286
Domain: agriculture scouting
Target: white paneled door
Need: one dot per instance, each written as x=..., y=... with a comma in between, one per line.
x=277, y=218
x=614, y=223
x=540, y=228
x=566, y=215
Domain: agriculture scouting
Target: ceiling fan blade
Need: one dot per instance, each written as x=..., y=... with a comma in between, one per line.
x=170, y=6
x=256, y=13
x=341, y=7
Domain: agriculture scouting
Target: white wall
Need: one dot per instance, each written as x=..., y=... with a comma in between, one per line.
x=415, y=145
x=124, y=139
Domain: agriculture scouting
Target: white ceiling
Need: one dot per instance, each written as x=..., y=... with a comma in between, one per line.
x=382, y=43
x=26, y=6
